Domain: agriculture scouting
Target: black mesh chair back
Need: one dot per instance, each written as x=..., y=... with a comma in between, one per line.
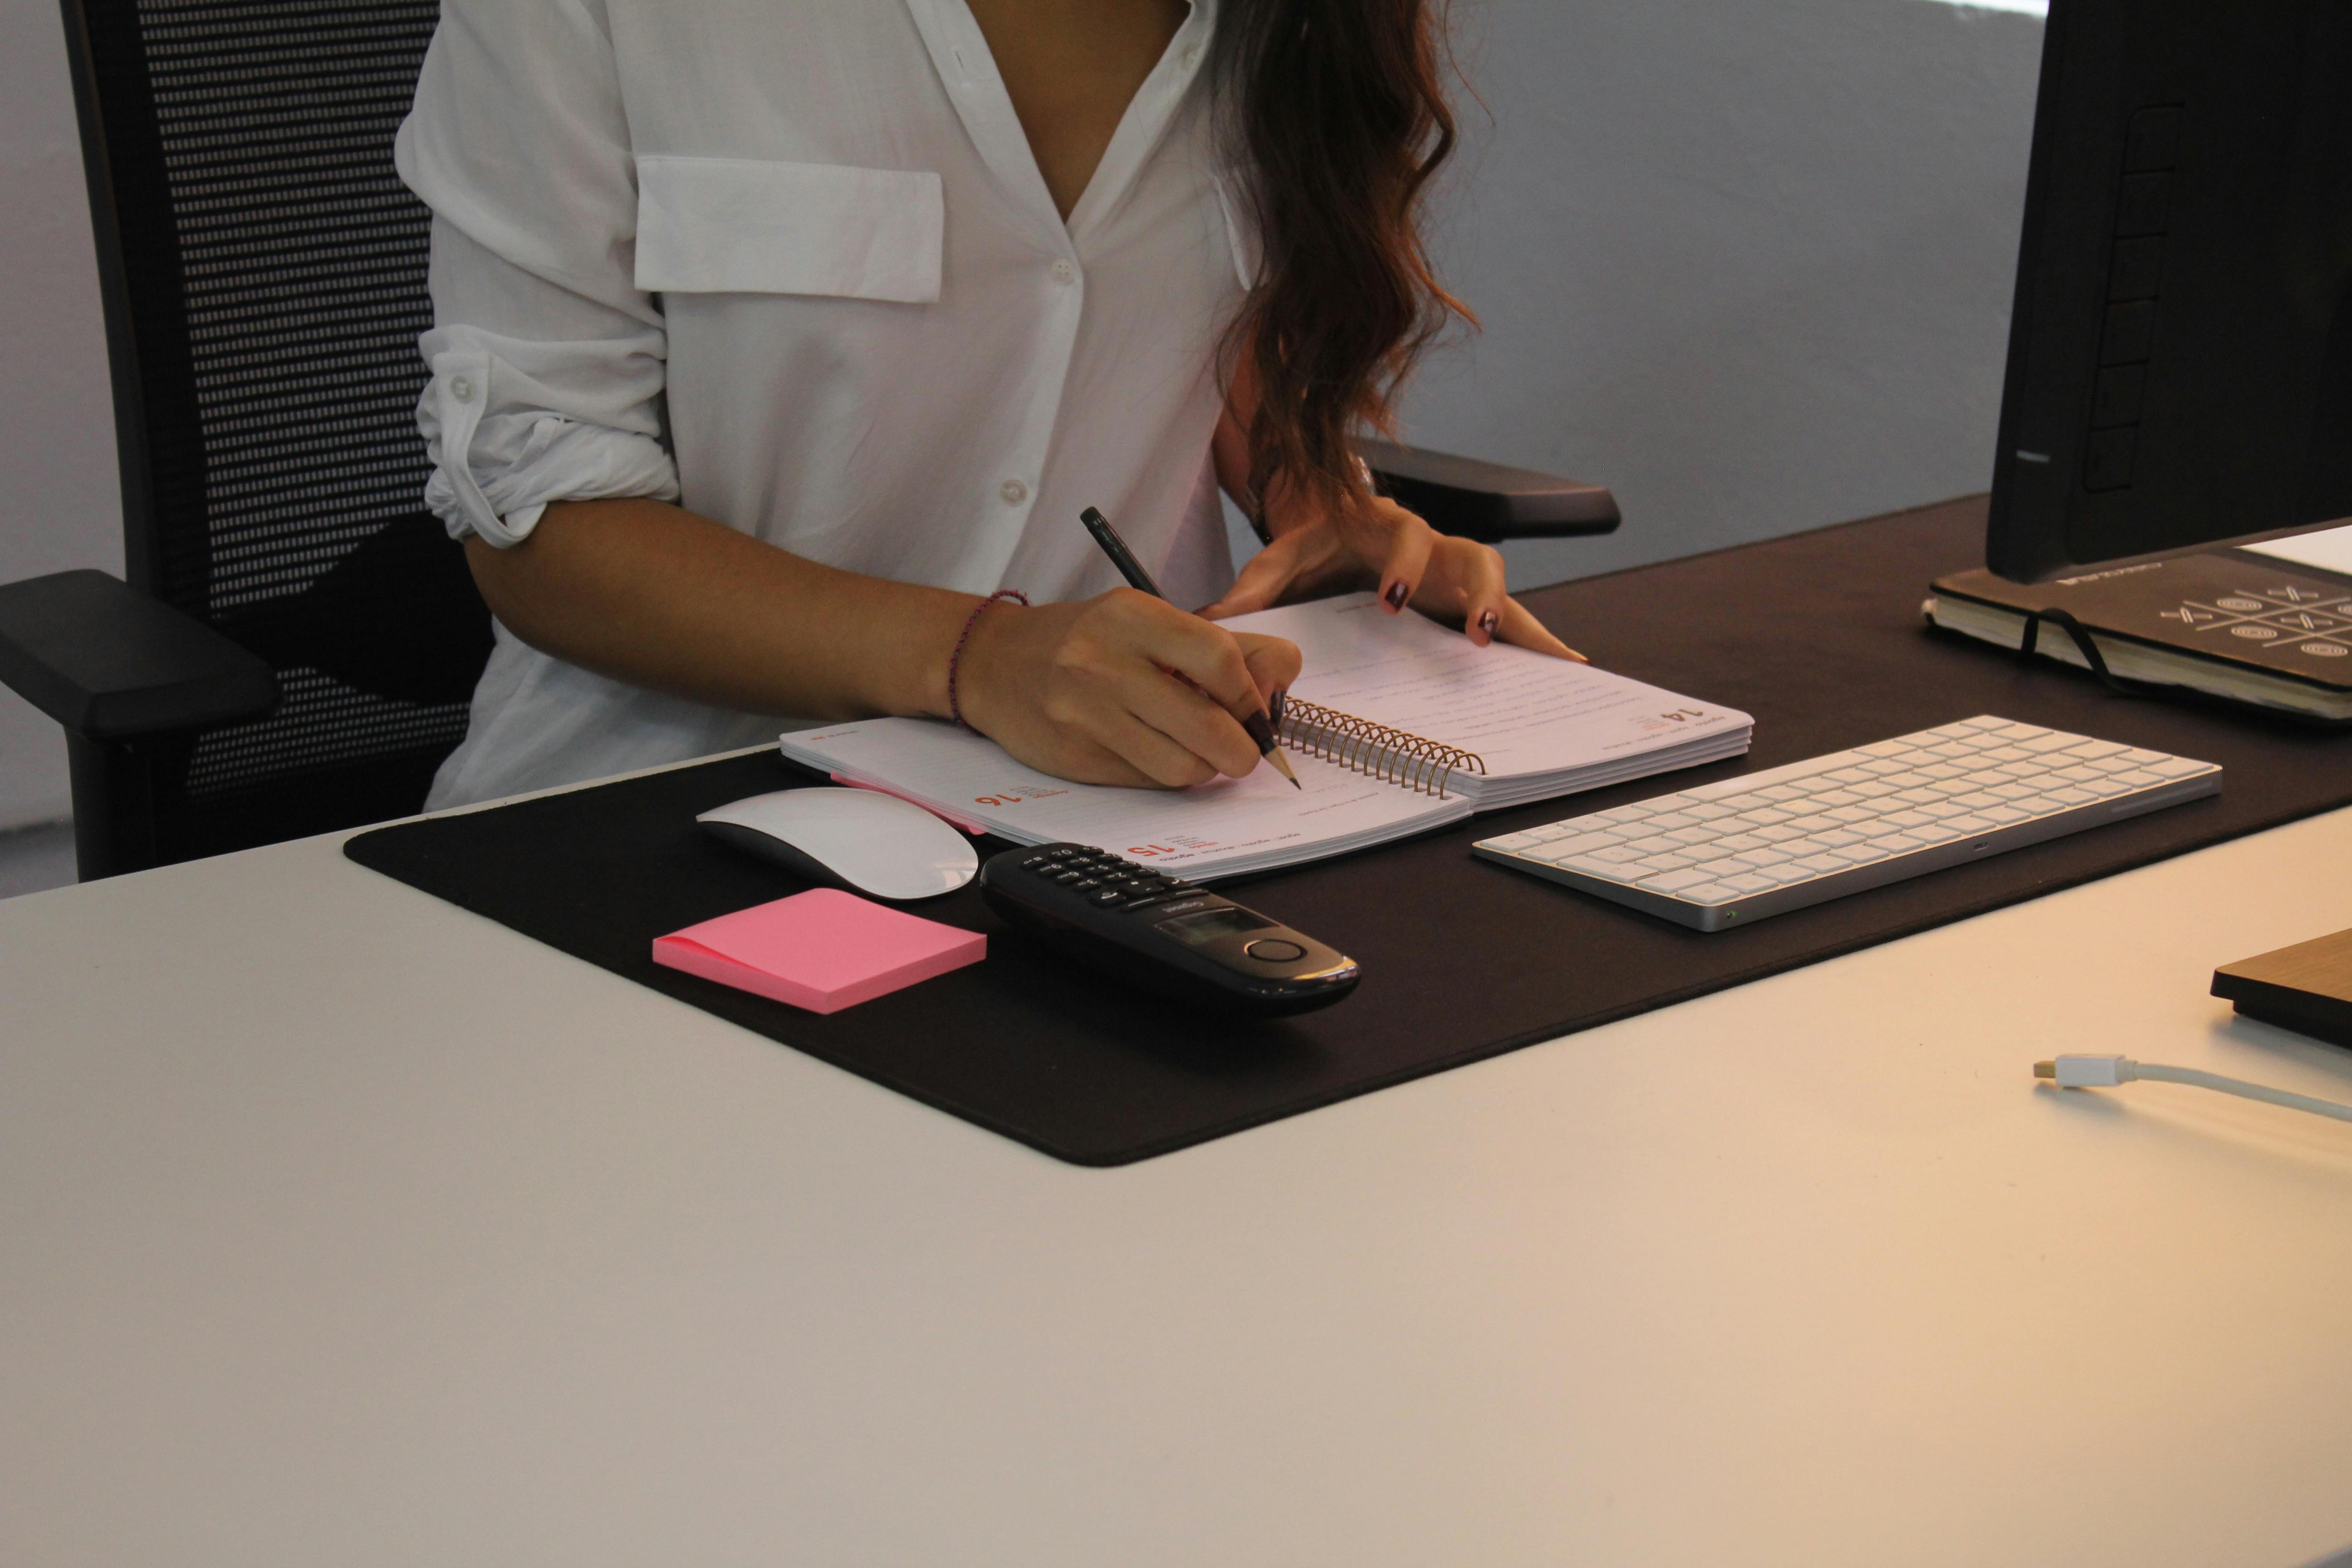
x=264, y=277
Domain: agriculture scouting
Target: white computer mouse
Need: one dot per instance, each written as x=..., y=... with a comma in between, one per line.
x=856, y=838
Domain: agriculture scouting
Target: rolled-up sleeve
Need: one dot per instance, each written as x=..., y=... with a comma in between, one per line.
x=548, y=363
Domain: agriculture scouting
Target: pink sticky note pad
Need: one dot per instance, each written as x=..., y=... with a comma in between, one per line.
x=822, y=950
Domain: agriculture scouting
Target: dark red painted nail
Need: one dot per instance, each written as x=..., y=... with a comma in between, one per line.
x=1397, y=594
x=1488, y=621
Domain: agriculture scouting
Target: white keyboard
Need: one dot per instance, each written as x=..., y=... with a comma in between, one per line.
x=1731, y=853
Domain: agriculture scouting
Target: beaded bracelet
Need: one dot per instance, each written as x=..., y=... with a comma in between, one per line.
x=955, y=659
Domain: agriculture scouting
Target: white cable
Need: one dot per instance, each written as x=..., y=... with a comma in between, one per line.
x=2106, y=1072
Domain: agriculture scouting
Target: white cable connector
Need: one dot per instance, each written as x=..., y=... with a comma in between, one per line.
x=2106, y=1072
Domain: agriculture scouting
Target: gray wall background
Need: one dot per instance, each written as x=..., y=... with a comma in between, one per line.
x=1745, y=261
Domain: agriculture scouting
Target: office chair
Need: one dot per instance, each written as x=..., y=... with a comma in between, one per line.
x=297, y=639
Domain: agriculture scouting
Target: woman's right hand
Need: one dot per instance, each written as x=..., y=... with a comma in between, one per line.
x=1089, y=690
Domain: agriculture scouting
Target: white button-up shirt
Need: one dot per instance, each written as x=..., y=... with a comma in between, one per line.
x=792, y=263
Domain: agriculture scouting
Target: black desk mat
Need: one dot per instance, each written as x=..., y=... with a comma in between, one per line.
x=1819, y=635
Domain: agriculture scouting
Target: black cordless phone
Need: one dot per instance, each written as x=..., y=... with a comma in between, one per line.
x=1161, y=932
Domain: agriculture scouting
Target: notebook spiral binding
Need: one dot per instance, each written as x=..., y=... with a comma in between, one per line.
x=1391, y=756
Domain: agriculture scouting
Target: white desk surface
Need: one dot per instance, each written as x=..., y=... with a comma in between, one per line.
x=340, y=1227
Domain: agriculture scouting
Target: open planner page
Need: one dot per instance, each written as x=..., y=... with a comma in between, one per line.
x=1225, y=827
x=1522, y=712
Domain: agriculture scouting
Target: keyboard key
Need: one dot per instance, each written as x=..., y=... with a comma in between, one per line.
x=1781, y=835
x=1717, y=871
x=2046, y=742
x=1603, y=870
x=2176, y=768
x=2142, y=759
x=1760, y=858
x=1584, y=844
x=2139, y=778
x=2070, y=795
x=1709, y=811
x=1672, y=881
x=1627, y=814
x=1785, y=872
x=1749, y=882
x=1710, y=894
x=2090, y=750
x=1847, y=815
x=1970, y=826
x=1657, y=844
x=1510, y=843
x=1886, y=749
x=1820, y=863
x=1733, y=843
x=1835, y=838
x=1837, y=797
x=1618, y=855
x=1900, y=843
x=1859, y=854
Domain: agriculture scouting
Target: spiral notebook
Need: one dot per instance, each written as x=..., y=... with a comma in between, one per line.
x=1395, y=726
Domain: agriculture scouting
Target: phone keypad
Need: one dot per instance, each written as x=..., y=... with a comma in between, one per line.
x=1105, y=881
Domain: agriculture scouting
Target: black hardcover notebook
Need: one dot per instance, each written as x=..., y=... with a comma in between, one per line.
x=2228, y=623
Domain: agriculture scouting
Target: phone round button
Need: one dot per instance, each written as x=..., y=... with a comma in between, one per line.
x=1274, y=949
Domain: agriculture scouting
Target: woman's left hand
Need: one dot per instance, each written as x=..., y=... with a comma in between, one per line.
x=1385, y=547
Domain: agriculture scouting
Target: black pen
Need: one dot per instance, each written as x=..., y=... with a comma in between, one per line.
x=1259, y=726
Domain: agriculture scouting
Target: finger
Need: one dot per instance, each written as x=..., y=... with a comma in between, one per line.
x=1162, y=761
x=1407, y=564
x=1274, y=663
x=1207, y=655
x=1484, y=597
x=1209, y=732
x=1520, y=627
x=1261, y=581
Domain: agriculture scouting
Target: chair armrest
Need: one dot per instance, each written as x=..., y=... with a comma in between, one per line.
x=1487, y=501
x=111, y=663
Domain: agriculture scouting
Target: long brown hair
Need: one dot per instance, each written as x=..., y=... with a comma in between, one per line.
x=1334, y=112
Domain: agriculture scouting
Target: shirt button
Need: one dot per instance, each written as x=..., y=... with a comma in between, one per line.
x=1013, y=491
x=1064, y=272
x=461, y=388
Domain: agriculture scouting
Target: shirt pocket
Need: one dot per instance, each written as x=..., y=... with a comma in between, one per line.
x=741, y=226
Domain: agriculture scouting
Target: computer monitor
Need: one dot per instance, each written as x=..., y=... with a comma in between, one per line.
x=2180, y=356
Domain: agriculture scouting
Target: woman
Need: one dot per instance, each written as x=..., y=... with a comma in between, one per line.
x=773, y=336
